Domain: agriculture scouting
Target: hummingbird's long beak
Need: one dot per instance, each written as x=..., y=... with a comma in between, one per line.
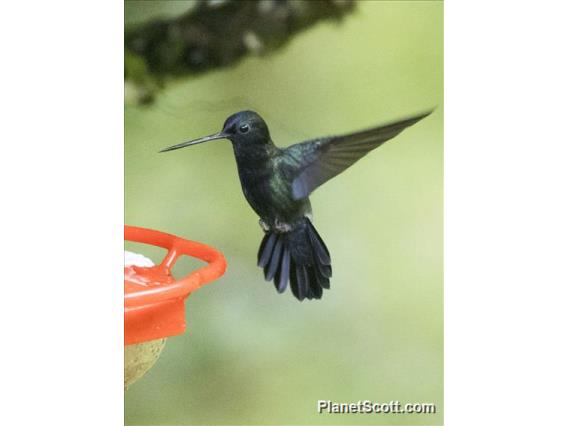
x=213, y=137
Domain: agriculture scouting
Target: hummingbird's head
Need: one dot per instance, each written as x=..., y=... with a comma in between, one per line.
x=245, y=128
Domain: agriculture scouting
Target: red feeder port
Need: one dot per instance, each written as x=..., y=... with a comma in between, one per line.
x=154, y=305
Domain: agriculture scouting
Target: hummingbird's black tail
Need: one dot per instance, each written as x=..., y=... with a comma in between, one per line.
x=299, y=256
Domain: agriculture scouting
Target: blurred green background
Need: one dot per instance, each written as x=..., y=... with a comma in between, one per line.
x=251, y=356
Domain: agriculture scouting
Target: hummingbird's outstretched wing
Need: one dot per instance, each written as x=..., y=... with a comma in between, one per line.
x=314, y=162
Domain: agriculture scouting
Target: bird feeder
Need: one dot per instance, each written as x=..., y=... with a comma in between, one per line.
x=154, y=301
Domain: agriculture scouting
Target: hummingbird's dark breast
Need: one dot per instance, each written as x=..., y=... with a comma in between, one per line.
x=267, y=187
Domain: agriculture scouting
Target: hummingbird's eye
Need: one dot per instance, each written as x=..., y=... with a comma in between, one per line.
x=243, y=128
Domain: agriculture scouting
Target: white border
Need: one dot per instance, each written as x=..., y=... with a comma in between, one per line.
x=506, y=212
x=62, y=213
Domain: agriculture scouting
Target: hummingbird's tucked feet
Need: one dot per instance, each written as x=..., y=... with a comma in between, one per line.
x=281, y=227
x=278, y=226
x=265, y=227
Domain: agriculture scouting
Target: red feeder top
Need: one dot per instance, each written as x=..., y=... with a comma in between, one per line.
x=153, y=299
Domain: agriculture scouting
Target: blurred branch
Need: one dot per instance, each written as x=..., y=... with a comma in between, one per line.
x=213, y=34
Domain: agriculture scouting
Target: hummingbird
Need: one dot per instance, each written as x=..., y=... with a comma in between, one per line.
x=277, y=183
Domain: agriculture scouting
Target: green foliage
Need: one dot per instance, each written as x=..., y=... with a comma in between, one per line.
x=197, y=36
